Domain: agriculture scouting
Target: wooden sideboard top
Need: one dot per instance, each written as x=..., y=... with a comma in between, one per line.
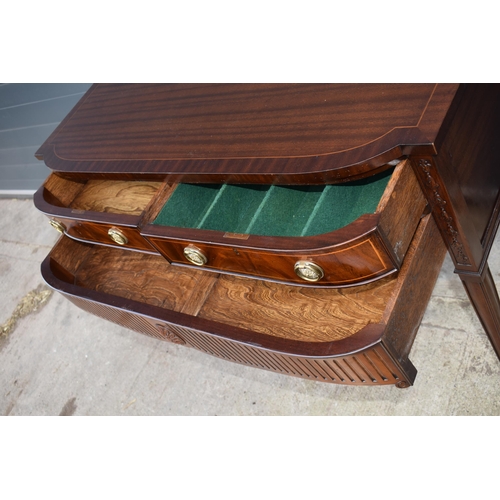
x=294, y=133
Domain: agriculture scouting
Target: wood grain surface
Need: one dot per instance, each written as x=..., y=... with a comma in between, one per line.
x=142, y=277
x=400, y=209
x=414, y=287
x=290, y=312
x=358, y=261
x=296, y=133
x=369, y=248
x=99, y=233
x=296, y=313
x=118, y=197
x=360, y=252
x=60, y=191
x=341, y=336
x=288, y=134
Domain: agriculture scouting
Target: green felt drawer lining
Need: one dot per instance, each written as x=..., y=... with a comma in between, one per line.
x=272, y=210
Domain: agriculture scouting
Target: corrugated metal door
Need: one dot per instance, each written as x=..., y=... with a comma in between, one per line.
x=29, y=112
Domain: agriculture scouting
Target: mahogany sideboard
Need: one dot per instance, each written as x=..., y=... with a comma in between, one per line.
x=296, y=228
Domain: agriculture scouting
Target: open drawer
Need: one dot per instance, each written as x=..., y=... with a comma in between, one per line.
x=101, y=211
x=322, y=236
x=359, y=335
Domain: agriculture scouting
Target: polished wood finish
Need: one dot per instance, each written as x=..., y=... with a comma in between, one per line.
x=345, y=264
x=462, y=184
x=93, y=198
x=368, y=249
x=371, y=247
x=292, y=134
x=304, y=314
x=91, y=232
x=88, y=210
x=338, y=335
x=404, y=311
x=400, y=208
x=116, y=197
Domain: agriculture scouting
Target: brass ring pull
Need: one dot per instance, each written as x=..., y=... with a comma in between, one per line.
x=117, y=236
x=195, y=255
x=308, y=271
x=57, y=225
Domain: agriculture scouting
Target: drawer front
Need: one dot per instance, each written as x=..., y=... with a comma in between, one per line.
x=361, y=261
x=106, y=234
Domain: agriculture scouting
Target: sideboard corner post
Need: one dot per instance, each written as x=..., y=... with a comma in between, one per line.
x=468, y=253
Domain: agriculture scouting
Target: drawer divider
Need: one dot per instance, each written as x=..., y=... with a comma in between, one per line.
x=315, y=210
x=259, y=210
x=212, y=205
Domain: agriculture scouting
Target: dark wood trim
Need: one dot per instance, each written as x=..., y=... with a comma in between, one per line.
x=445, y=214
x=462, y=184
x=360, y=228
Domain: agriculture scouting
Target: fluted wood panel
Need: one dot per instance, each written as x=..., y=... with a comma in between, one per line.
x=373, y=366
x=370, y=367
x=126, y=319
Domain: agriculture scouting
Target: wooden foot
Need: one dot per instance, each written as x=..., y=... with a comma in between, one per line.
x=483, y=294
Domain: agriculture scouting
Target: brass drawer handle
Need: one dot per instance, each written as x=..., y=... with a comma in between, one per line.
x=57, y=225
x=117, y=236
x=308, y=271
x=195, y=255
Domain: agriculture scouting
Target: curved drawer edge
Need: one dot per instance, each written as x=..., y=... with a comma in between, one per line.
x=54, y=276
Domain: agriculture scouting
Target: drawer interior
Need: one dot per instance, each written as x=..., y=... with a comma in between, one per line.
x=272, y=210
x=101, y=195
x=305, y=314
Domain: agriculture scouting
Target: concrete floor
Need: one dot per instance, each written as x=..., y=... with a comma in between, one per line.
x=59, y=360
